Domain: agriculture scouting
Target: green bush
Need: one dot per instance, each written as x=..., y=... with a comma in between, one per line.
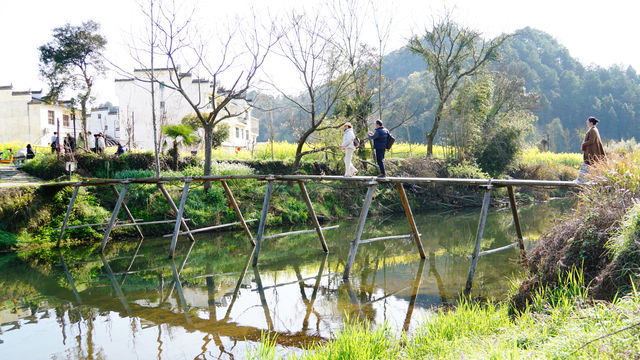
x=45, y=166
x=466, y=170
x=7, y=240
x=499, y=152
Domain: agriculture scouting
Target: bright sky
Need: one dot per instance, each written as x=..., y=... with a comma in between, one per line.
x=595, y=32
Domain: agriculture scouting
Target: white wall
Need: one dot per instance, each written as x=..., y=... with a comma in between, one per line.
x=24, y=120
x=134, y=99
x=105, y=121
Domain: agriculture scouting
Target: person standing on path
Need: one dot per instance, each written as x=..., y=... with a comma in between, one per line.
x=380, y=137
x=101, y=144
x=30, y=153
x=54, y=142
x=592, y=148
x=348, y=145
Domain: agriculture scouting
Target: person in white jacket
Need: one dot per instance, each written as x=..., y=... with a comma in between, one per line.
x=348, y=147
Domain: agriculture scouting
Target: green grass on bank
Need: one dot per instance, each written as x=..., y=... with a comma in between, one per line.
x=560, y=324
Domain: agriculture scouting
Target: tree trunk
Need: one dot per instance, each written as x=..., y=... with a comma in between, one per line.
x=175, y=155
x=296, y=162
x=208, y=128
x=83, y=114
x=431, y=135
x=156, y=147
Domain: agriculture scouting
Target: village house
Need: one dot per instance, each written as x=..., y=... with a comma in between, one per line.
x=134, y=99
x=105, y=119
x=26, y=118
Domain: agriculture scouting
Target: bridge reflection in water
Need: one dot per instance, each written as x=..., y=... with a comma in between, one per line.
x=301, y=309
x=209, y=302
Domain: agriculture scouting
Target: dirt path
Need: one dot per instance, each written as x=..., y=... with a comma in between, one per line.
x=12, y=176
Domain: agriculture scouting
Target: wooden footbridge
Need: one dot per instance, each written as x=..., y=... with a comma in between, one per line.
x=180, y=222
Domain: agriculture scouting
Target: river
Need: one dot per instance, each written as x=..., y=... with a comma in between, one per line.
x=208, y=302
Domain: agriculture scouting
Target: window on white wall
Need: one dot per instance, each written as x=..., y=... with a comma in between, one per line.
x=237, y=132
x=246, y=134
x=162, y=104
x=51, y=117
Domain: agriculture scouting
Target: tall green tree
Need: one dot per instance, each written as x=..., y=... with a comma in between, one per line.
x=73, y=59
x=452, y=52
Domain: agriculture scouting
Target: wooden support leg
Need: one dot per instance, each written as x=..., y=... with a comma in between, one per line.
x=412, y=222
x=356, y=241
x=176, y=228
x=234, y=204
x=114, y=216
x=516, y=219
x=69, y=277
x=263, y=220
x=66, y=217
x=175, y=210
x=237, y=288
x=314, y=218
x=115, y=284
x=126, y=209
x=181, y=298
x=476, y=249
x=263, y=298
x=414, y=295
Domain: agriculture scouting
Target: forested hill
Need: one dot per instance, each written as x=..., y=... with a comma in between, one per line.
x=569, y=91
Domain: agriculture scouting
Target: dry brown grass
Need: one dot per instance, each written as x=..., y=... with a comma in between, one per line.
x=580, y=240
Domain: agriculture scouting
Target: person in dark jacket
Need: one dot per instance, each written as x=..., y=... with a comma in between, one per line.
x=30, y=153
x=120, y=150
x=380, y=137
x=592, y=148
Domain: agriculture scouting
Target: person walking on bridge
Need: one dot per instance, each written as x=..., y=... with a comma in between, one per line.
x=592, y=148
x=349, y=146
x=380, y=137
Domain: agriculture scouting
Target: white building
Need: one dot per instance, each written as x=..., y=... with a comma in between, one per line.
x=105, y=120
x=25, y=117
x=134, y=98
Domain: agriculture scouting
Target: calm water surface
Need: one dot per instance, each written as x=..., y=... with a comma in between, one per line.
x=208, y=302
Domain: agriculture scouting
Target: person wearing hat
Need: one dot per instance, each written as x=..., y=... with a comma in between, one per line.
x=348, y=145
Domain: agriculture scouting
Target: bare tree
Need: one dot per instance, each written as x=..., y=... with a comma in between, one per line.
x=176, y=44
x=359, y=60
x=241, y=50
x=306, y=45
x=383, y=21
x=452, y=52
